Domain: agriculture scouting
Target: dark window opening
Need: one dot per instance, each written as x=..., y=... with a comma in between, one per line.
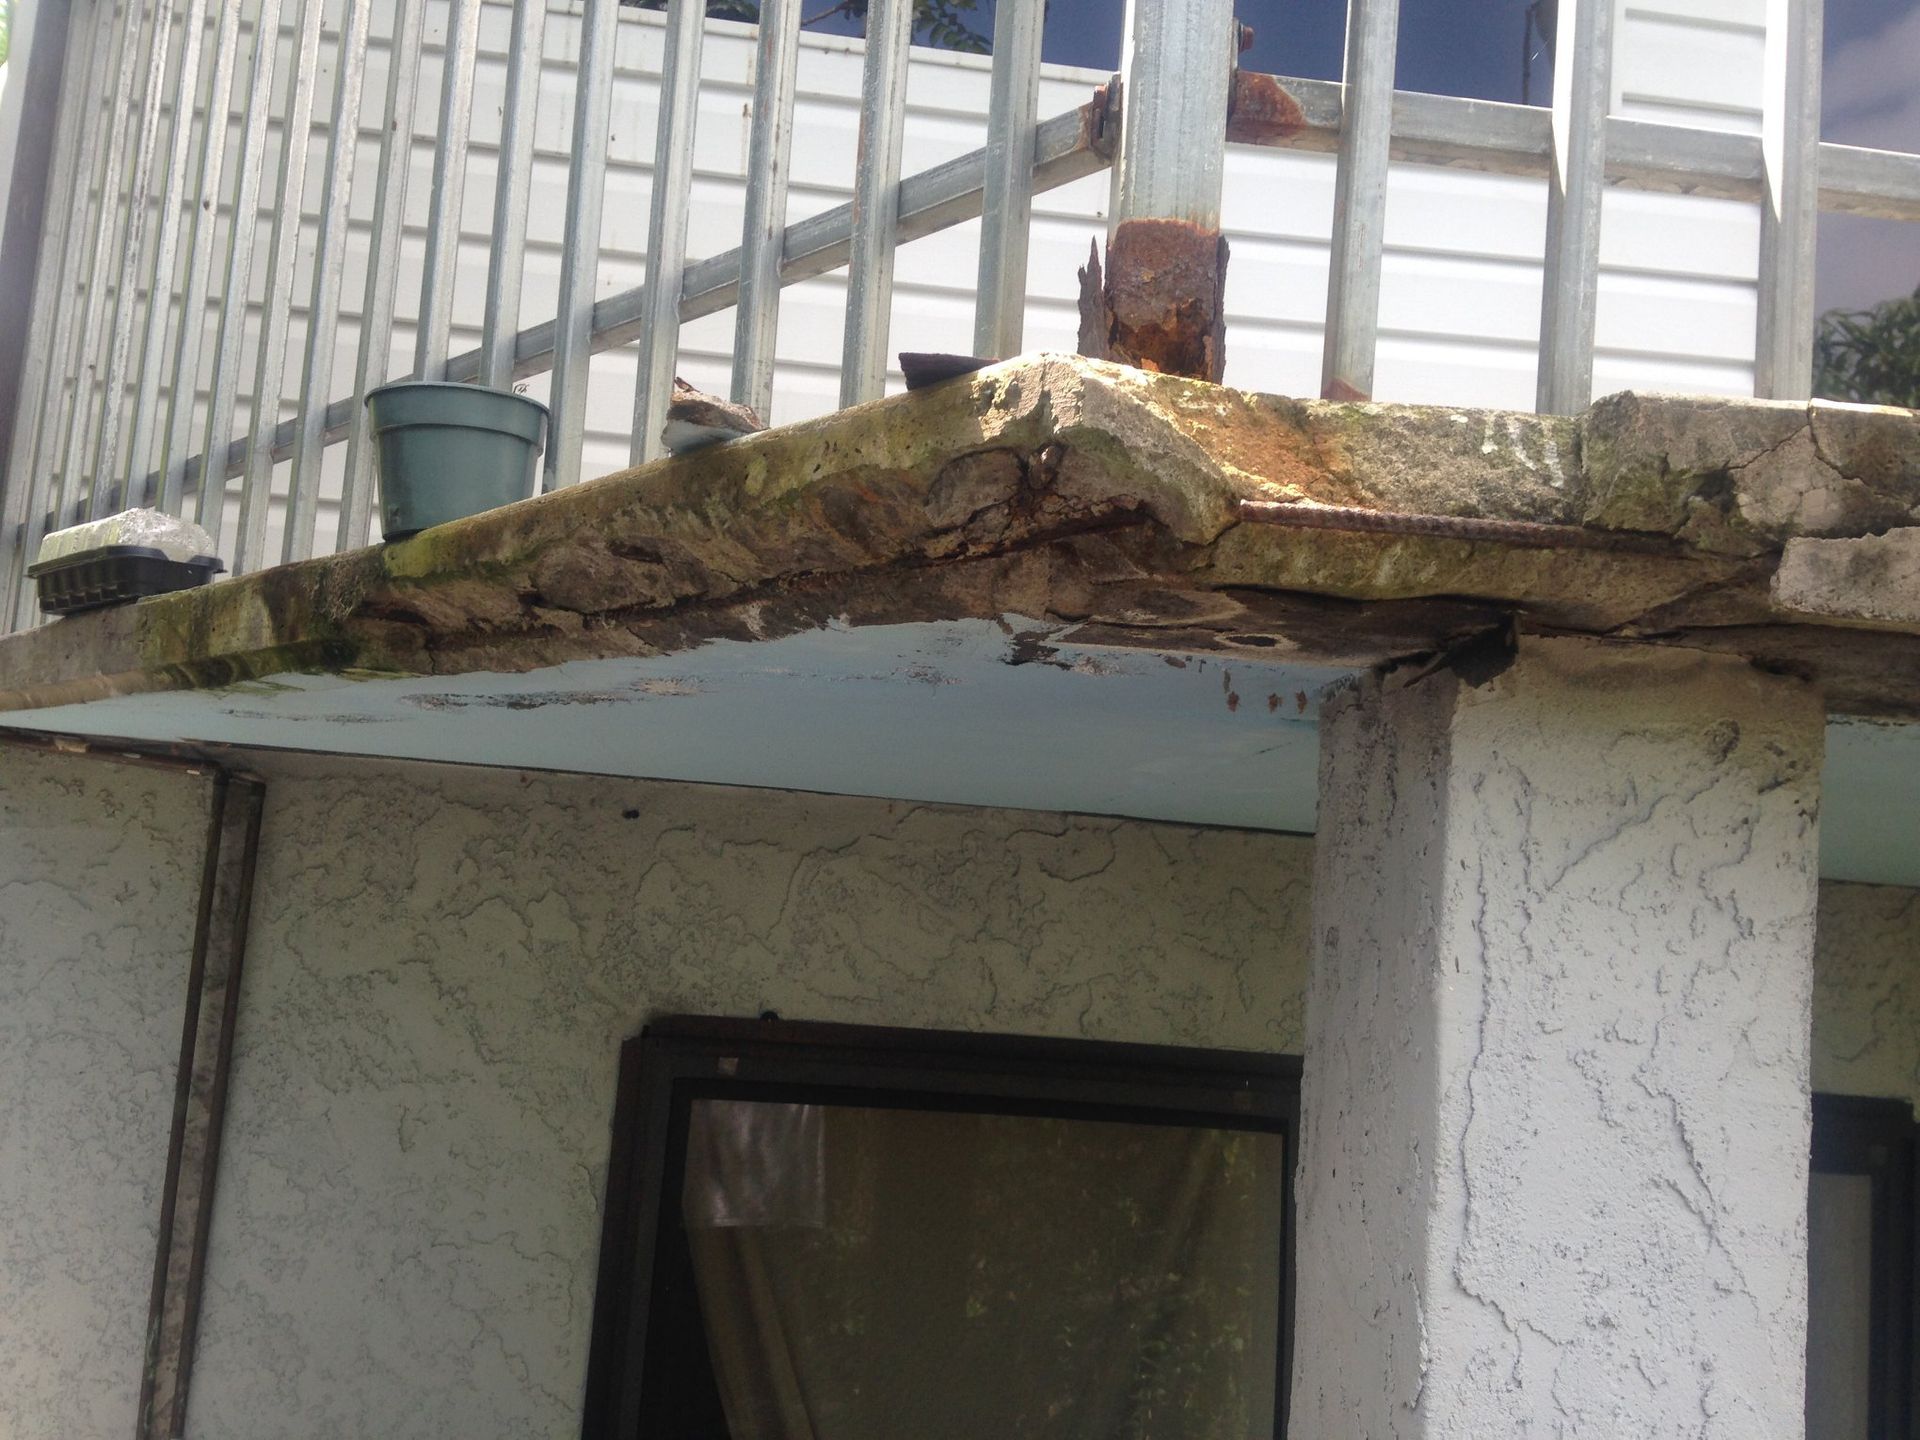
x=1860, y=1270
x=835, y=1231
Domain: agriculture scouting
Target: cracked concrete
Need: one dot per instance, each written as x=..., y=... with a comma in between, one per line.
x=1096, y=496
x=1744, y=476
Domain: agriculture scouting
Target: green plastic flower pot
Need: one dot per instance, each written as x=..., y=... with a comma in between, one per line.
x=447, y=451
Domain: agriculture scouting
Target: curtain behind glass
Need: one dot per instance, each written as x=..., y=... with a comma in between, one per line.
x=1839, y=1305
x=867, y=1274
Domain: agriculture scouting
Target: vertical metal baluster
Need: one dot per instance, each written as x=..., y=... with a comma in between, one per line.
x=1790, y=204
x=1171, y=159
x=105, y=491
x=166, y=249
x=434, y=336
x=1127, y=17
x=105, y=251
x=26, y=488
x=762, y=235
x=383, y=265
x=177, y=433
x=667, y=223
x=1570, y=286
x=237, y=274
x=283, y=253
x=1360, y=201
x=329, y=275
x=580, y=250
x=512, y=189
x=1013, y=112
x=876, y=201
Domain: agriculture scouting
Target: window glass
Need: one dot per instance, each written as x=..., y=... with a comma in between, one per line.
x=868, y=1271
x=1483, y=49
x=1076, y=32
x=1839, y=1305
x=1486, y=49
x=1867, y=285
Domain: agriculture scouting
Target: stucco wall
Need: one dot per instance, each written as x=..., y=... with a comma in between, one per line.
x=1553, y=1171
x=1866, y=996
x=99, y=874
x=443, y=964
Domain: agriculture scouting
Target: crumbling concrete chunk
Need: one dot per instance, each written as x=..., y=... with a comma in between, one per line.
x=1744, y=476
x=1124, y=501
x=1853, y=470
x=1201, y=445
x=1878, y=448
x=1666, y=466
x=1871, y=580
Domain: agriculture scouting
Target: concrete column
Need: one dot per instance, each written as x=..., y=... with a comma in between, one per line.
x=1555, y=1112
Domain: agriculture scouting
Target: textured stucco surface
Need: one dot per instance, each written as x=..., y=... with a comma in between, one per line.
x=443, y=963
x=1866, y=1028
x=99, y=870
x=442, y=967
x=1556, y=1112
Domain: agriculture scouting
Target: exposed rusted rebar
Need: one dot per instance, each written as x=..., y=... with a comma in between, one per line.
x=1531, y=534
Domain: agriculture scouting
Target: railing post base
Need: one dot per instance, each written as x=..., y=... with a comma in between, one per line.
x=1160, y=302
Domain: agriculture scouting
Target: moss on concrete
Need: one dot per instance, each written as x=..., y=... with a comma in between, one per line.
x=925, y=501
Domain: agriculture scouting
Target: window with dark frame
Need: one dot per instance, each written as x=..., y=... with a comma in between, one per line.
x=831, y=1230
x=828, y=1229
x=1861, y=1257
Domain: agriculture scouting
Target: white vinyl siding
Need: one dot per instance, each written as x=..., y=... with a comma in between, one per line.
x=1460, y=300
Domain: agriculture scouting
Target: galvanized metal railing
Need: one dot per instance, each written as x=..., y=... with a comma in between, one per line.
x=138, y=176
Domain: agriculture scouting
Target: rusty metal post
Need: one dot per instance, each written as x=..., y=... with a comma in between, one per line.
x=200, y=1102
x=1159, y=303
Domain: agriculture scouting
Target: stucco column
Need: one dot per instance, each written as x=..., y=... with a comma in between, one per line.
x=1555, y=1110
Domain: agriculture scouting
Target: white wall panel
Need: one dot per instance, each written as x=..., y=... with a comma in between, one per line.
x=1690, y=62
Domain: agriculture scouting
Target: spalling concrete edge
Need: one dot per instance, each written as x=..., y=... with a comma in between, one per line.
x=1142, y=510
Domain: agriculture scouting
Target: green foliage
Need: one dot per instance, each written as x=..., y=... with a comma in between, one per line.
x=1872, y=356
x=940, y=23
